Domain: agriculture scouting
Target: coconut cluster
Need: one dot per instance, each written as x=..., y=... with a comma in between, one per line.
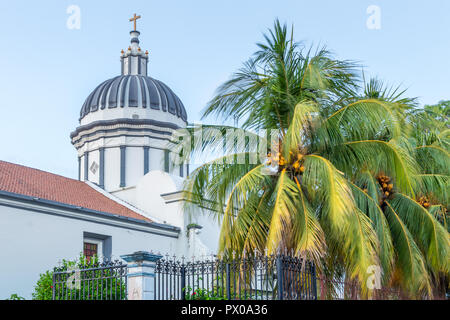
x=296, y=164
x=424, y=202
x=386, y=185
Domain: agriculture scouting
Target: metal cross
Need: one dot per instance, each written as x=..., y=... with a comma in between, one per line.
x=135, y=19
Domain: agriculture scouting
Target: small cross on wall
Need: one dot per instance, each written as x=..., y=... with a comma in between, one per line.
x=135, y=19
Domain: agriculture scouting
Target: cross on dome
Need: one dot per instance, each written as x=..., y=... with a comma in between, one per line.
x=134, y=19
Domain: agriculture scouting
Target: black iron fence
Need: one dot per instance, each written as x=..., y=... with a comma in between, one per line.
x=255, y=277
x=344, y=289
x=100, y=281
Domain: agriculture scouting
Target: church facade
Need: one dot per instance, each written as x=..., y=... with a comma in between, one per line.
x=128, y=196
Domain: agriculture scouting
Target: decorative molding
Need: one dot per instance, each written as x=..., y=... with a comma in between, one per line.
x=124, y=121
x=173, y=197
x=141, y=256
x=122, y=127
x=86, y=166
x=146, y=159
x=102, y=168
x=166, y=161
x=122, y=166
x=79, y=168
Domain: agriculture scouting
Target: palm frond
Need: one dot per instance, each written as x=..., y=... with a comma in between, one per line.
x=345, y=226
x=210, y=184
x=298, y=133
x=371, y=208
x=428, y=233
x=253, y=181
x=433, y=159
x=410, y=265
x=285, y=203
x=380, y=157
x=247, y=231
x=434, y=185
x=308, y=234
x=369, y=119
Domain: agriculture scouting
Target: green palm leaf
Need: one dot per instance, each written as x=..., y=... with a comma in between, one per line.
x=285, y=203
x=379, y=121
x=345, y=226
x=410, y=261
x=428, y=233
x=379, y=156
x=371, y=208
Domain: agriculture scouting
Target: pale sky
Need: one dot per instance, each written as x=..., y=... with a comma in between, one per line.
x=48, y=70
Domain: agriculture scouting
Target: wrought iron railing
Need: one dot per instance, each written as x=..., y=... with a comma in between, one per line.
x=255, y=277
x=100, y=281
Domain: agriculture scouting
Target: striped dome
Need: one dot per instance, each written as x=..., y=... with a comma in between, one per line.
x=134, y=91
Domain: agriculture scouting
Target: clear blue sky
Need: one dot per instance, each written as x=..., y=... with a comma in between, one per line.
x=48, y=70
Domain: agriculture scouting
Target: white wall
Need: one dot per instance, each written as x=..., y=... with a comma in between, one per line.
x=33, y=242
x=209, y=234
x=148, y=197
x=156, y=160
x=134, y=160
x=134, y=165
x=94, y=156
x=112, y=168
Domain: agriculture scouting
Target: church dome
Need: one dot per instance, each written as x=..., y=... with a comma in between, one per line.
x=133, y=94
x=134, y=91
x=127, y=126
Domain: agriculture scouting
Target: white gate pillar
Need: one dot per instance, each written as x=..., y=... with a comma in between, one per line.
x=141, y=275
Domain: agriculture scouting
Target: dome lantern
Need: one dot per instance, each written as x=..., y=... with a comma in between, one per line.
x=134, y=61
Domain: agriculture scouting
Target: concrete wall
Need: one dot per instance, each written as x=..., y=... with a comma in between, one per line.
x=32, y=242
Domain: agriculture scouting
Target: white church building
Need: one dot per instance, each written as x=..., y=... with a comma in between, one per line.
x=128, y=196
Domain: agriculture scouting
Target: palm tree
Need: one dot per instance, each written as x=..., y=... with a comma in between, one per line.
x=345, y=181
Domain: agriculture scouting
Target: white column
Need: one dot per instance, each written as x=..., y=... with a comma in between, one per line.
x=141, y=275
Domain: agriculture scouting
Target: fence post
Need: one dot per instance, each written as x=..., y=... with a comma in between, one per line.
x=314, y=280
x=53, y=286
x=183, y=282
x=141, y=275
x=280, y=276
x=227, y=268
x=323, y=288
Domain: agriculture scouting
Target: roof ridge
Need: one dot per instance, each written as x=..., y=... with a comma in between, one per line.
x=37, y=183
x=36, y=169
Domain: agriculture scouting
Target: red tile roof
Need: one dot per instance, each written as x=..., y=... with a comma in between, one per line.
x=31, y=182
